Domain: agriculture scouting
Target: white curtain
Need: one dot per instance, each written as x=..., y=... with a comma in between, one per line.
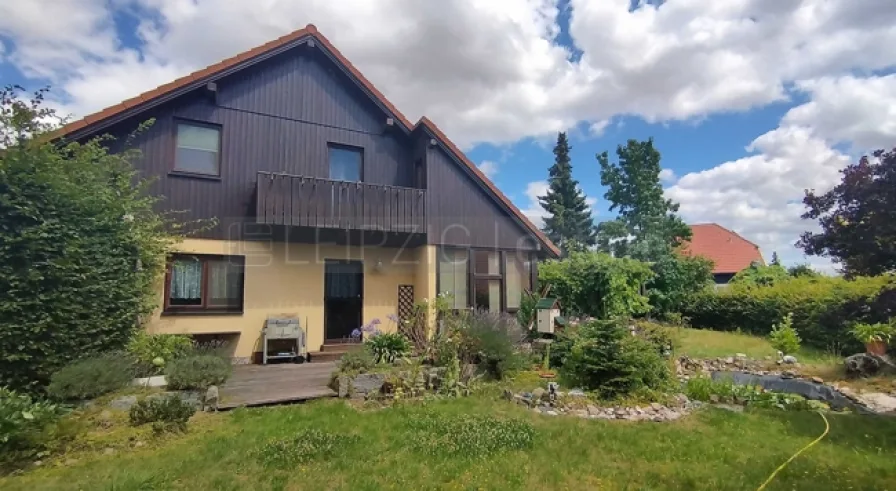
x=186, y=279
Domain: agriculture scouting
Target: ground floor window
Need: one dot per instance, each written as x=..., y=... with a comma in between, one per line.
x=198, y=283
x=485, y=279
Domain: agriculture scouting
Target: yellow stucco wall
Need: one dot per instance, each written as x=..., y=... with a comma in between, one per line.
x=288, y=278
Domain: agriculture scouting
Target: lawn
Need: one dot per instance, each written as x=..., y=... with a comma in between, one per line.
x=702, y=343
x=392, y=449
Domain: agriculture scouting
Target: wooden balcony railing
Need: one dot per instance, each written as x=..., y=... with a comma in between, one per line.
x=284, y=199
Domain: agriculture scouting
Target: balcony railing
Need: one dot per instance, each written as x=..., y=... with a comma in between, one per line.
x=284, y=199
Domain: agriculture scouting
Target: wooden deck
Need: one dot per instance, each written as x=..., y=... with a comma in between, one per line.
x=258, y=385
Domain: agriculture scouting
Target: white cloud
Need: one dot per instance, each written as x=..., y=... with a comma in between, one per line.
x=598, y=128
x=489, y=168
x=667, y=176
x=532, y=209
x=485, y=71
x=760, y=196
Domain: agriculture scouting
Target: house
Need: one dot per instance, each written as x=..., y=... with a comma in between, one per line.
x=729, y=252
x=329, y=204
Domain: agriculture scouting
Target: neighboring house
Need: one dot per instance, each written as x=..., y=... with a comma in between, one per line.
x=729, y=252
x=331, y=206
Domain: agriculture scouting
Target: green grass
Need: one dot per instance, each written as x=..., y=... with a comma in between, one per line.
x=418, y=447
x=701, y=343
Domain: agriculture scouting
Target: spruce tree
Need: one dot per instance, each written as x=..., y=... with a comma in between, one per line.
x=569, y=223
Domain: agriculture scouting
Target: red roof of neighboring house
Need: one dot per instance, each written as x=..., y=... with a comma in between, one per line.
x=208, y=73
x=729, y=251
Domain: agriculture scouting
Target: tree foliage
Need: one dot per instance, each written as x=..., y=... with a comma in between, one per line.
x=81, y=248
x=761, y=275
x=857, y=217
x=676, y=278
x=568, y=223
x=647, y=227
x=597, y=284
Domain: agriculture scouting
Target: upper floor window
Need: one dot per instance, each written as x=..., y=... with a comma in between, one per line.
x=208, y=283
x=345, y=163
x=198, y=149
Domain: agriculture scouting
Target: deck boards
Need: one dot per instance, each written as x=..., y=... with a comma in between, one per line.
x=256, y=385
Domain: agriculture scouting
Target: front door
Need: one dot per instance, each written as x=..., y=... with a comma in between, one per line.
x=343, y=298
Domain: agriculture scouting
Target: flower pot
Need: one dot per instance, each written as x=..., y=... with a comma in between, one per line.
x=878, y=348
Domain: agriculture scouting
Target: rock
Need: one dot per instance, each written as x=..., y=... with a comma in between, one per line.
x=656, y=406
x=878, y=402
x=580, y=413
x=211, y=399
x=576, y=393
x=38, y=463
x=109, y=451
x=867, y=364
x=538, y=394
x=732, y=408
x=123, y=403
x=344, y=383
x=681, y=399
x=740, y=356
x=139, y=443
x=729, y=360
x=788, y=374
x=593, y=410
x=789, y=359
x=366, y=385
x=551, y=413
x=714, y=399
x=818, y=380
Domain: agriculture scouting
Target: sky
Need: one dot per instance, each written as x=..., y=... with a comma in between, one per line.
x=750, y=102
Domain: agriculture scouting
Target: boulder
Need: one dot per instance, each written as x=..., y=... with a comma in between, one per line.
x=211, y=399
x=789, y=359
x=538, y=393
x=366, y=385
x=867, y=364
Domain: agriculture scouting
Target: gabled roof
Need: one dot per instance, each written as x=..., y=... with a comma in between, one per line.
x=729, y=251
x=242, y=60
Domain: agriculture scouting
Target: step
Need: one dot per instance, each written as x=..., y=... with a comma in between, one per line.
x=340, y=347
x=326, y=356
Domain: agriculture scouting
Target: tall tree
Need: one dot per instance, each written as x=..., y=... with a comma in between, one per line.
x=776, y=261
x=647, y=227
x=569, y=223
x=857, y=217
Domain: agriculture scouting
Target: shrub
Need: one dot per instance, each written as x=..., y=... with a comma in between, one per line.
x=676, y=279
x=784, y=337
x=597, y=285
x=168, y=413
x=562, y=346
x=306, y=446
x=197, y=372
x=492, y=341
x=356, y=361
x=606, y=358
x=91, y=377
x=75, y=220
x=24, y=425
x=761, y=275
x=148, y=349
x=822, y=307
x=388, y=347
x=664, y=338
x=469, y=436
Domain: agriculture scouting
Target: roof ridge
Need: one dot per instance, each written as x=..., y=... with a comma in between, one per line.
x=308, y=30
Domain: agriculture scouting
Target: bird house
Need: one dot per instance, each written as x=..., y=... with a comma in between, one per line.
x=547, y=315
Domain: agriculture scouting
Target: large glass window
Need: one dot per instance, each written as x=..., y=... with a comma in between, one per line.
x=453, y=276
x=204, y=283
x=198, y=149
x=518, y=277
x=345, y=163
x=488, y=294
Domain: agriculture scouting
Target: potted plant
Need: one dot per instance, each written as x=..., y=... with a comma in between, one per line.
x=875, y=336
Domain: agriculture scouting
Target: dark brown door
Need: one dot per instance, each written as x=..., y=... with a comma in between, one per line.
x=343, y=298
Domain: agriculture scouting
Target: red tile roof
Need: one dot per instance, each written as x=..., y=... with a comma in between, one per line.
x=729, y=251
x=309, y=30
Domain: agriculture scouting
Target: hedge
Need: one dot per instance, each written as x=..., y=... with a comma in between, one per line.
x=823, y=308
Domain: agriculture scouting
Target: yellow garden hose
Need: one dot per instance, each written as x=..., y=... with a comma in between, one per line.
x=827, y=428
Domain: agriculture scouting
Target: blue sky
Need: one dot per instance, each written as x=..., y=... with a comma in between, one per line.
x=749, y=102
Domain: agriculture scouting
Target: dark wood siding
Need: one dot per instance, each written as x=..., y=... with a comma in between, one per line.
x=277, y=116
x=460, y=213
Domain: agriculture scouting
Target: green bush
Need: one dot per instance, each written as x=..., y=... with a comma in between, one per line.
x=492, y=341
x=306, y=446
x=75, y=221
x=823, y=308
x=870, y=333
x=761, y=275
x=388, y=347
x=167, y=414
x=562, y=346
x=153, y=351
x=597, y=285
x=784, y=337
x=356, y=361
x=91, y=377
x=24, y=427
x=606, y=358
x=664, y=338
x=676, y=279
x=197, y=372
x=468, y=435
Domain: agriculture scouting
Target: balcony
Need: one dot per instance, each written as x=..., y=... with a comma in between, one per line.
x=284, y=199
